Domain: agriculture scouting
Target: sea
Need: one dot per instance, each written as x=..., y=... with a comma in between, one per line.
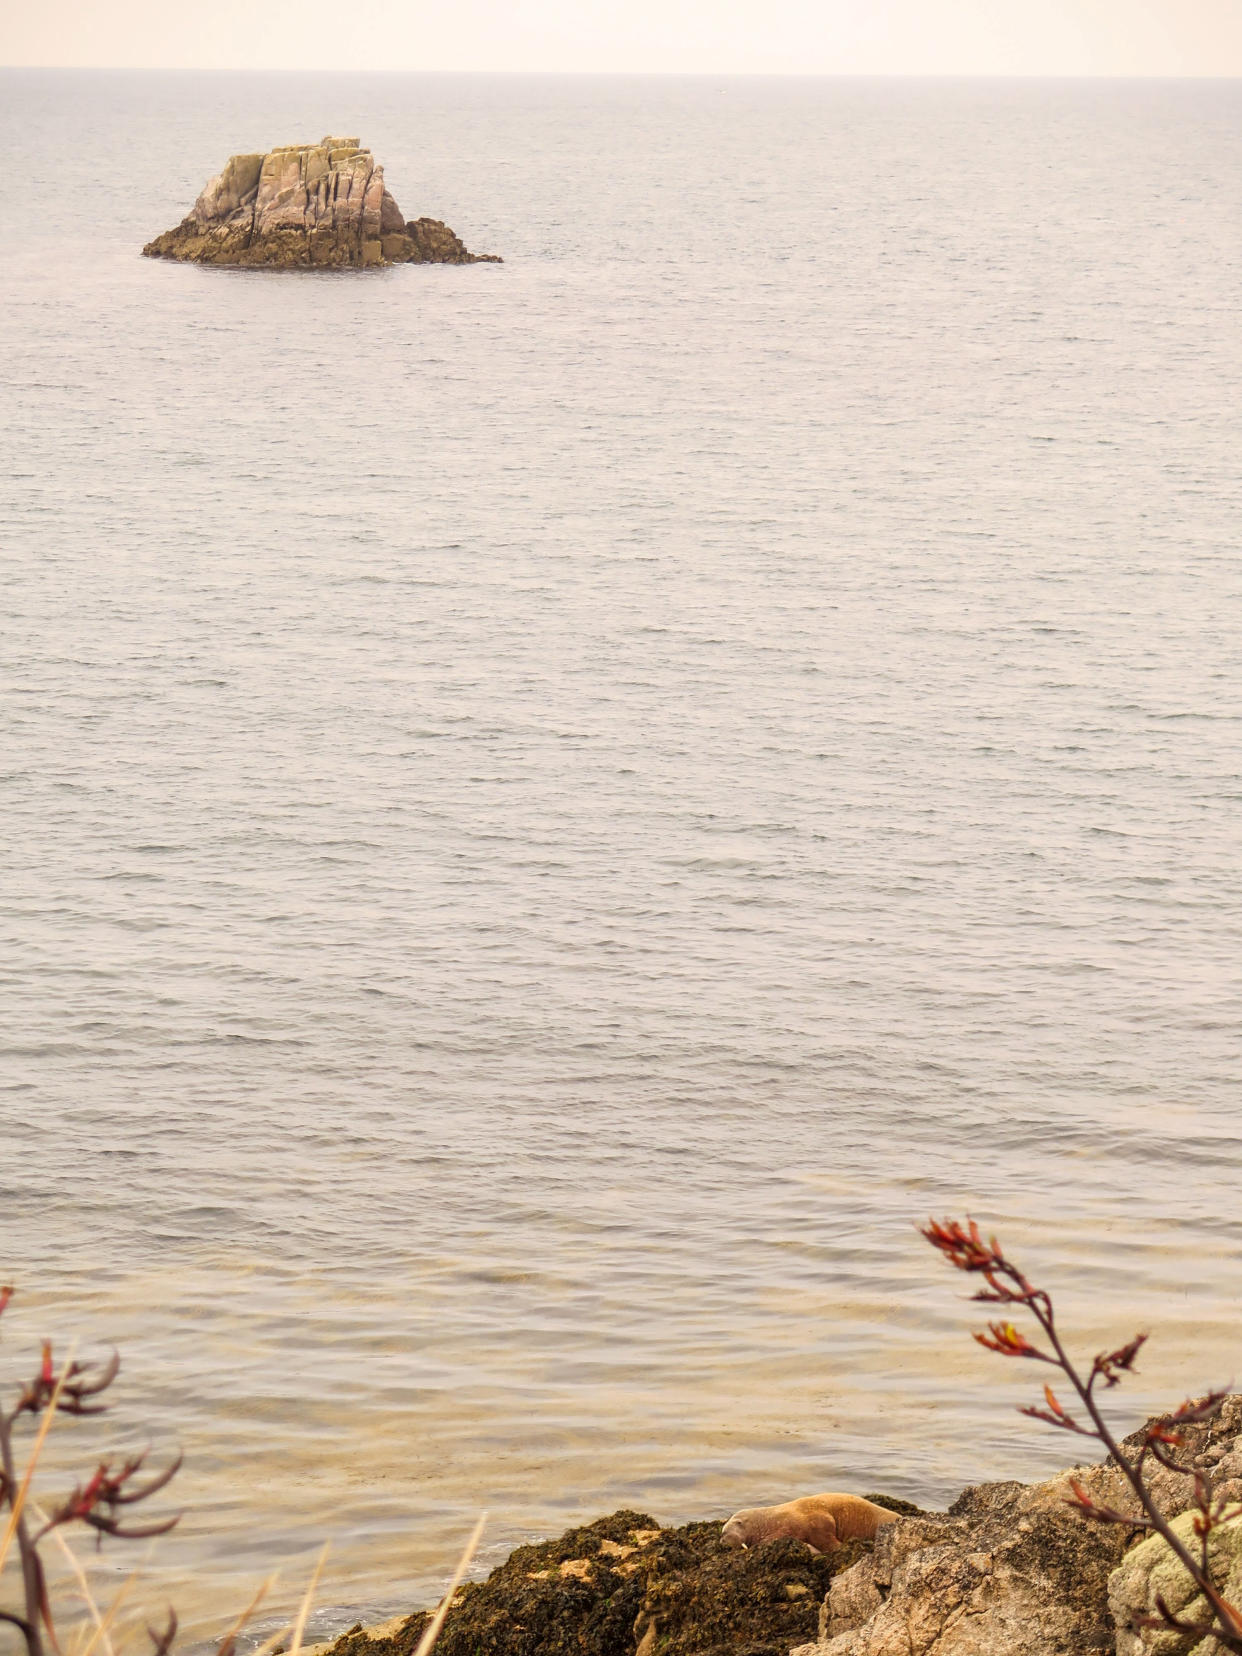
x=554, y=812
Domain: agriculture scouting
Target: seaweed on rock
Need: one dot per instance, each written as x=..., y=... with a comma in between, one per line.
x=623, y=1585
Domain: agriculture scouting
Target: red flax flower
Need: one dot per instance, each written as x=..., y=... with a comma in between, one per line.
x=1006, y=1339
x=97, y=1501
x=81, y=1385
x=1102, y=1514
x=964, y=1248
x=1111, y=1365
x=1054, y=1414
x=962, y=1245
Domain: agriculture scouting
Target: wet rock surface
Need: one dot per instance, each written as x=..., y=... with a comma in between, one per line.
x=307, y=206
x=622, y=1586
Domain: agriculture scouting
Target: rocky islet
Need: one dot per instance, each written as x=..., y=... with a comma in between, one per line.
x=1010, y=1569
x=624, y=1586
x=307, y=206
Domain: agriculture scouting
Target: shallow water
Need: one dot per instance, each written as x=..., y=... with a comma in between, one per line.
x=552, y=810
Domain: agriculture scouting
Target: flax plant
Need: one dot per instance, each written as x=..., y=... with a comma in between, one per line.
x=100, y=1503
x=1005, y=1285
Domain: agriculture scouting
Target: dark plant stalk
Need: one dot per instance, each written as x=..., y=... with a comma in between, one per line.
x=27, y=1556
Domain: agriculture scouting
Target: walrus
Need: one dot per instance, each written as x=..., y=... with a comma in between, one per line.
x=822, y=1521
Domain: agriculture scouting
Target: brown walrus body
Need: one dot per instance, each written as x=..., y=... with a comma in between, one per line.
x=822, y=1521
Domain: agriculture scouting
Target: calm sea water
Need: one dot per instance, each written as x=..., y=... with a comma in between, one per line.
x=550, y=811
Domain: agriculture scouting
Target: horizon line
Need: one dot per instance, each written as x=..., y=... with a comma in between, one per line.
x=630, y=74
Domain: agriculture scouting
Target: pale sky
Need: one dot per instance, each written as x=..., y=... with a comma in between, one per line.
x=830, y=37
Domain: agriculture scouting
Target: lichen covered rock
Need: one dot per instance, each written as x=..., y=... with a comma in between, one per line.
x=306, y=206
x=1150, y=1571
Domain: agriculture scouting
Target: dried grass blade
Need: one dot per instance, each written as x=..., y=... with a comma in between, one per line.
x=225, y=1647
x=101, y=1632
x=269, y=1644
x=463, y=1564
x=300, y=1625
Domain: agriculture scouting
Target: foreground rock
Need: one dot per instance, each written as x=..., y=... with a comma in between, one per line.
x=622, y=1586
x=1011, y=1570
x=302, y=206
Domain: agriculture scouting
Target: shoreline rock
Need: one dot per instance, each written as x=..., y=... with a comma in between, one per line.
x=624, y=1586
x=1009, y=1570
x=307, y=207
x=1012, y=1570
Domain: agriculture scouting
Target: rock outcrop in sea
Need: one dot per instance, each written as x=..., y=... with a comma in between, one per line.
x=1010, y=1569
x=307, y=206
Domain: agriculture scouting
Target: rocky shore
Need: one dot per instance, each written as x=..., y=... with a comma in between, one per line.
x=307, y=206
x=1009, y=1570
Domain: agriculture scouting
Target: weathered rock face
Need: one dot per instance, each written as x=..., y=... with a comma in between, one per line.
x=307, y=206
x=1011, y=1570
